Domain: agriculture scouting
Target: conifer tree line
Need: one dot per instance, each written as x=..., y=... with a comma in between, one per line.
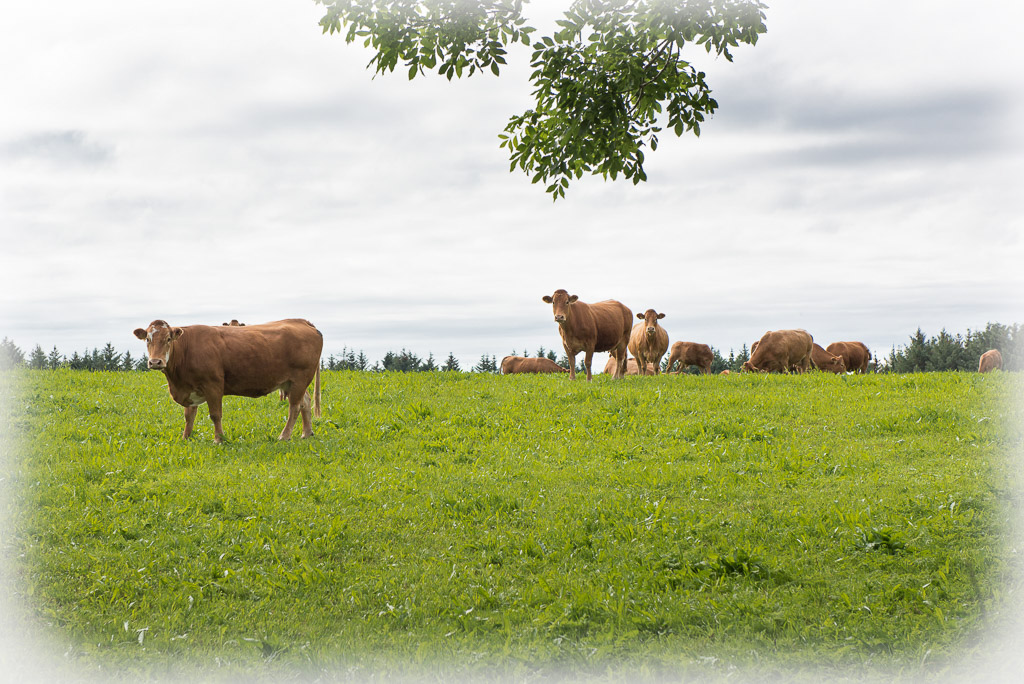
x=942, y=352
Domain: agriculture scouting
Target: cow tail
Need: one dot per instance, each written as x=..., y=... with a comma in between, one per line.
x=316, y=393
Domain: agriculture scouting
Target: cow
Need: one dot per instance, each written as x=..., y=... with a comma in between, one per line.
x=204, y=363
x=825, y=361
x=781, y=351
x=632, y=368
x=525, y=364
x=590, y=328
x=855, y=355
x=990, y=361
x=648, y=341
x=690, y=354
x=234, y=322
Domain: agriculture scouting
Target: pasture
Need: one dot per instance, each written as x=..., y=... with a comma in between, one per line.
x=518, y=527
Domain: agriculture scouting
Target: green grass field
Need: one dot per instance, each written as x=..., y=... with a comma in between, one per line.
x=519, y=526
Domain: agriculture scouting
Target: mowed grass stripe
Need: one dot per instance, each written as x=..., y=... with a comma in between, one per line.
x=509, y=524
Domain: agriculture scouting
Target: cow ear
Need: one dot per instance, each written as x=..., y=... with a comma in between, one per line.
x=640, y=316
x=546, y=299
x=176, y=333
x=660, y=316
x=140, y=333
x=573, y=298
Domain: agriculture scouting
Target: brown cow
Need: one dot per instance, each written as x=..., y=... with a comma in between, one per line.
x=825, y=361
x=855, y=355
x=526, y=364
x=781, y=351
x=590, y=328
x=204, y=363
x=234, y=322
x=648, y=341
x=632, y=368
x=691, y=354
x=990, y=361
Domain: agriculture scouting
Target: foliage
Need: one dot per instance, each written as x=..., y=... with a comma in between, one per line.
x=470, y=526
x=605, y=84
x=487, y=364
x=944, y=352
x=11, y=355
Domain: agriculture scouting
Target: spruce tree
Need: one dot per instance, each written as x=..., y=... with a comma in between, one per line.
x=37, y=359
x=451, y=363
x=11, y=355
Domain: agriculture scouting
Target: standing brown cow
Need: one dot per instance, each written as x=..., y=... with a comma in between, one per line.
x=780, y=351
x=825, y=361
x=526, y=364
x=691, y=354
x=990, y=361
x=855, y=355
x=590, y=328
x=631, y=367
x=204, y=363
x=648, y=341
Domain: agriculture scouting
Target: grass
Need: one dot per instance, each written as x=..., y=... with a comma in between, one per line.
x=519, y=526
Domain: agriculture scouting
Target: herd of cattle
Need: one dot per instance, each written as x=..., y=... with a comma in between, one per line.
x=203, y=363
x=608, y=327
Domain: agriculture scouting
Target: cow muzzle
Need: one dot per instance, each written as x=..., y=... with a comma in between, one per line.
x=560, y=318
x=156, y=364
x=650, y=330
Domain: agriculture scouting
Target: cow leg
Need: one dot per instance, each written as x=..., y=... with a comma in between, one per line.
x=588, y=358
x=572, y=364
x=307, y=416
x=190, y=419
x=657, y=366
x=213, y=400
x=294, y=408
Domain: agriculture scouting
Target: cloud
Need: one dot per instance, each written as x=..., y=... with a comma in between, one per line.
x=62, y=148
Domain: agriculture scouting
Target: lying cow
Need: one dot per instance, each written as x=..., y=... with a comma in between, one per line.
x=204, y=363
x=855, y=355
x=648, y=341
x=826, y=361
x=632, y=368
x=690, y=354
x=589, y=328
x=527, y=364
x=781, y=351
x=990, y=361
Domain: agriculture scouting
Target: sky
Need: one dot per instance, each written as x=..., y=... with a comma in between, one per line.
x=199, y=162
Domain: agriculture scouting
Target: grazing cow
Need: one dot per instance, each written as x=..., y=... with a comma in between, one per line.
x=234, y=322
x=648, y=341
x=781, y=351
x=690, y=354
x=726, y=372
x=632, y=368
x=526, y=364
x=990, y=361
x=825, y=361
x=855, y=355
x=590, y=328
x=204, y=363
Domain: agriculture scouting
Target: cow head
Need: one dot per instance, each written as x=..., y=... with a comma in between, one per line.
x=234, y=323
x=835, y=365
x=651, y=318
x=158, y=336
x=560, y=302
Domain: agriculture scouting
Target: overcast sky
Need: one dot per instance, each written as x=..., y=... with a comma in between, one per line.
x=198, y=162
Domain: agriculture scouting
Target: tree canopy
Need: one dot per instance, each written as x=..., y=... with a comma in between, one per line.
x=606, y=83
